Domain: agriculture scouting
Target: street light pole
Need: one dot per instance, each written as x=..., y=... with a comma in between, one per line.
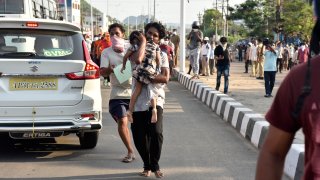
x=91, y=20
x=183, y=37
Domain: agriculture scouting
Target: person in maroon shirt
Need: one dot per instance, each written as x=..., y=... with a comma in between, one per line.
x=296, y=105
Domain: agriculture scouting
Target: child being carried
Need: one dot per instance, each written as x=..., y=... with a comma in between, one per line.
x=145, y=69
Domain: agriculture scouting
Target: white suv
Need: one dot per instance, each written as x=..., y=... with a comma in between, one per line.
x=49, y=85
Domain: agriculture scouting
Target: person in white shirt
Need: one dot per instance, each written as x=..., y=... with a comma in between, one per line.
x=291, y=54
x=211, y=59
x=280, y=57
x=205, y=54
x=253, y=58
x=120, y=93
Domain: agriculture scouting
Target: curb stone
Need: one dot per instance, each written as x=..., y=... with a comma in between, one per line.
x=250, y=125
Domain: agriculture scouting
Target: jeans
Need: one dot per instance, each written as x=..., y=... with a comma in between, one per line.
x=148, y=137
x=223, y=69
x=194, y=60
x=269, y=79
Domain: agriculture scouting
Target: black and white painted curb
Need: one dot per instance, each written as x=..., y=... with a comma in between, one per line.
x=250, y=125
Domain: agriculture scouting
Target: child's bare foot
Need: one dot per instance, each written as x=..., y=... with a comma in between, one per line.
x=129, y=116
x=154, y=116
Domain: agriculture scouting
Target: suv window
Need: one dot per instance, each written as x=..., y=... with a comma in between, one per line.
x=40, y=44
x=11, y=7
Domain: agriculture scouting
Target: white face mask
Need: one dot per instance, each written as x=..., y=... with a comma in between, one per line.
x=175, y=33
x=195, y=30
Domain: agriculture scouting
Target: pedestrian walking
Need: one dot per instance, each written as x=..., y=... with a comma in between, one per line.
x=147, y=136
x=223, y=64
x=291, y=56
x=205, y=54
x=170, y=53
x=195, y=37
x=270, y=69
x=120, y=93
x=260, y=59
x=247, y=57
x=303, y=53
x=175, y=39
x=296, y=106
x=253, y=58
x=280, y=56
x=240, y=52
x=212, y=59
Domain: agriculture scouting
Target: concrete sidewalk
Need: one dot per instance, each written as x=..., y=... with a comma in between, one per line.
x=244, y=107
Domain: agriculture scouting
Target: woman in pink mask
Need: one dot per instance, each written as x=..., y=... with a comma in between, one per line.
x=120, y=93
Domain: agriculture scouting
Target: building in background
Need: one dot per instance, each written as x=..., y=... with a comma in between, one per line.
x=73, y=11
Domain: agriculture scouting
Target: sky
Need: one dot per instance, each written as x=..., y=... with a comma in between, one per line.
x=167, y=11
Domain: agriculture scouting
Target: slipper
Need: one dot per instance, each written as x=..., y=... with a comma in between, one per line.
x=145, y=173
x=128, y=158
x=158, y=174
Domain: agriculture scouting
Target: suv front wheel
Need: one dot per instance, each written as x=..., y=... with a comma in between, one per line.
x=89, y=140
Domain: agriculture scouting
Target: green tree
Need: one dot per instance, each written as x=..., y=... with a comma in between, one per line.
x=297, y=18
x=258, y=16
x=209, y=19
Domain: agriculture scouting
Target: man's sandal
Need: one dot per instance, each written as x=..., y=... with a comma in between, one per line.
x=145, y=173
x=128, y=158
x=158, y=174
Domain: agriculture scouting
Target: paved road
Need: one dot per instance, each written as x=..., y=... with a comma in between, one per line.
x=197, y=145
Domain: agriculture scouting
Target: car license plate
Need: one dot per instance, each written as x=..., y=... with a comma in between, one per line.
x=33, y=84
x=36, y=135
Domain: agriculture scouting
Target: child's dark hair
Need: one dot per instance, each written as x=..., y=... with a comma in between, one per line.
x=134, y=35
x=158, y=26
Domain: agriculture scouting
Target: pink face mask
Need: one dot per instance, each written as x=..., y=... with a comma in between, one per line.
x=117, y=43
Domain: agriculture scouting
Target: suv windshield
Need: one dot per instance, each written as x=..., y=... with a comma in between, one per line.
x=40, y=44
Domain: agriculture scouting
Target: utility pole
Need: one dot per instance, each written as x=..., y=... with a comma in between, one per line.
x=223, y=20
x=91, y=19
x=216, y=34
x=227, y=26
x=107, y=14
x=199, y=17
x=128, y=25
x=154, y=10
x=148, y=11
x=278, y=17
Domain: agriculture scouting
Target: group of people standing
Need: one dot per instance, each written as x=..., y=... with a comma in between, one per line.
x=150, y=67
x=267, y=58
x=204, y=56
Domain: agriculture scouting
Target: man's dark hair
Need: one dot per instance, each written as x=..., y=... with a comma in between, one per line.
x=223, y=39
x=158, y=26
x=116, y=25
